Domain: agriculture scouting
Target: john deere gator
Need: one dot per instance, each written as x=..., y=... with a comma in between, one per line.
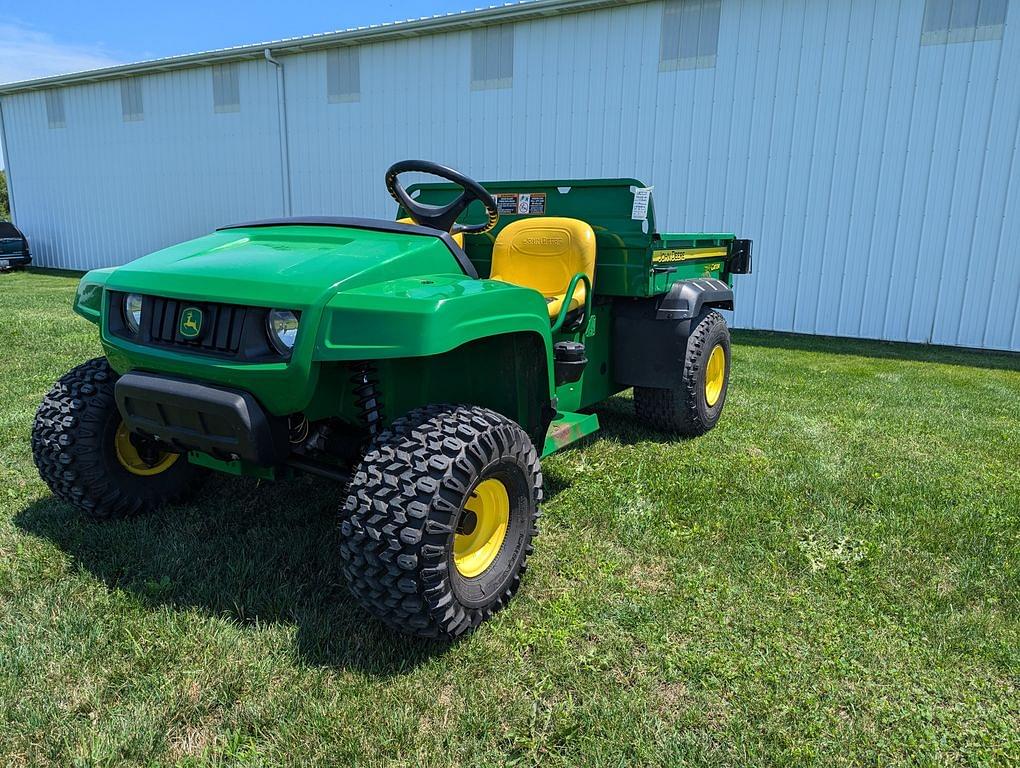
x=426, y=364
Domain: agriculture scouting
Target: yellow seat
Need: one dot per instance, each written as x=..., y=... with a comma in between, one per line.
x=457, y=238
x=545, y=253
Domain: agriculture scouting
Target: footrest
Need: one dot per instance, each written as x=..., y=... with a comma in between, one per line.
x=568, y=428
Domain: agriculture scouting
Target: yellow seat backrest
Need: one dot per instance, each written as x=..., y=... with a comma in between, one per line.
x=457, y=238
x=545, y=253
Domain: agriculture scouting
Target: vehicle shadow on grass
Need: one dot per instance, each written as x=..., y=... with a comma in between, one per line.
x=618, y=422
x=245, y=552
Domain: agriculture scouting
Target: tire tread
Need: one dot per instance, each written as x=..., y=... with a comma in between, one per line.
x=403, y=505
x=67, y=447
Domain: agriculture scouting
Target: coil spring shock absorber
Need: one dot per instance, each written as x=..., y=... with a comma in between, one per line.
x=366, y=396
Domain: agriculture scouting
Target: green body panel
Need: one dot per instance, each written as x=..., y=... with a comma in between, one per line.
x=394, y=295
x=88, y=298
x=401, y=301
x=507, y=373
x=297, y=267
x=597, y=382
x=425, y=316
x=707, y=266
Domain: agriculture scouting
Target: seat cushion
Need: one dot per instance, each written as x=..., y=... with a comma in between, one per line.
x=545, y=253
x=555, y=303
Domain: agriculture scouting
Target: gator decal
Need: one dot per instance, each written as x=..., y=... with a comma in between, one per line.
x=675, y=255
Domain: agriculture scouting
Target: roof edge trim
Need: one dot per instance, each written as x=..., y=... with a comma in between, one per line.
x=428, y=25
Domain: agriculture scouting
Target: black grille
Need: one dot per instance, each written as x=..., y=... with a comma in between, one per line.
x=227, y=330
x=222, y=325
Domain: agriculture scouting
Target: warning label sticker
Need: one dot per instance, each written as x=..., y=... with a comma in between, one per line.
x=506, y=204
x=536, y=204
x=639, y=211
x=520, y=204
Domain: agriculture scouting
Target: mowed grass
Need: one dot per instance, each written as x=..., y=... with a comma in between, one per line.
x=829, y=578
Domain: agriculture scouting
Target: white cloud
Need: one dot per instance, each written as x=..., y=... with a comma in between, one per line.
x=26, y=53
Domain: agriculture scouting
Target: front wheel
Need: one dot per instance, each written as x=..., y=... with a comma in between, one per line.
x=438, y=523
x=87, y=457
x=693, y=404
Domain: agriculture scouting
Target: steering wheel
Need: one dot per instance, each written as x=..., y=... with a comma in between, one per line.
x=442, y=217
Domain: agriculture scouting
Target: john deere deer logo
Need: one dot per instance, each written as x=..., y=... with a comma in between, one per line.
x=191, y=323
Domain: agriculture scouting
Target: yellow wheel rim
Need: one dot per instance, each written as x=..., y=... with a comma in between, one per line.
x=132, y=461
x=486, y=516
x=715, y=375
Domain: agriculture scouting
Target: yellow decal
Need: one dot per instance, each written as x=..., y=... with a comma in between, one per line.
x=687, y=254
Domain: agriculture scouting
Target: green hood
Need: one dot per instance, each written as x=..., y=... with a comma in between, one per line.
x=293, y=266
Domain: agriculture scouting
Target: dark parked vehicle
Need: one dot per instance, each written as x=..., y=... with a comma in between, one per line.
x=13, y=247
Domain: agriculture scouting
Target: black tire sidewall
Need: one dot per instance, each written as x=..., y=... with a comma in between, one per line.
x=480, y=591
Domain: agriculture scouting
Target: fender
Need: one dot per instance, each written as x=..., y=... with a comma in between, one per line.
x=422, y=317
x=88, y=298
x=686, y=298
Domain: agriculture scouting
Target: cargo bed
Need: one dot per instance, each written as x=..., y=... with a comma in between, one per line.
x=633, y=259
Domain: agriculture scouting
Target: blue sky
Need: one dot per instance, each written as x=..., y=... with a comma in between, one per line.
x=53, y=37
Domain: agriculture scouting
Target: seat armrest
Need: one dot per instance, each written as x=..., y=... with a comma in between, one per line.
x=569, y=296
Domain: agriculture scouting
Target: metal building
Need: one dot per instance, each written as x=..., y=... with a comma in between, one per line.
x=870, y=148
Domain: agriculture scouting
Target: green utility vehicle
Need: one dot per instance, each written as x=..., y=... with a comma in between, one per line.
x=425, y=364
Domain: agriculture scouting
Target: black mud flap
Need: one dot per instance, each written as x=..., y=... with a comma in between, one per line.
x=650, y=335
x=225, y=423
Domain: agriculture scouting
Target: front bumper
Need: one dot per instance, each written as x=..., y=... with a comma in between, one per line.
x=10, y=262
x=225, y=423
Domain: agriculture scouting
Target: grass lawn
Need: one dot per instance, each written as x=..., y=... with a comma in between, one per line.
x=830, y=577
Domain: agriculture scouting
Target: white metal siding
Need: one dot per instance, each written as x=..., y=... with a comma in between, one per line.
x=103, y=191
x=878, y=177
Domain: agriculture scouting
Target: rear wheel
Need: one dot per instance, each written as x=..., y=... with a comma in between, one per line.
x=693, y=404
x=87, y=457
x=438, y=523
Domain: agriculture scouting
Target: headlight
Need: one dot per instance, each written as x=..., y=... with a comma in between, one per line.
x=133, y=312
x=282, y=325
